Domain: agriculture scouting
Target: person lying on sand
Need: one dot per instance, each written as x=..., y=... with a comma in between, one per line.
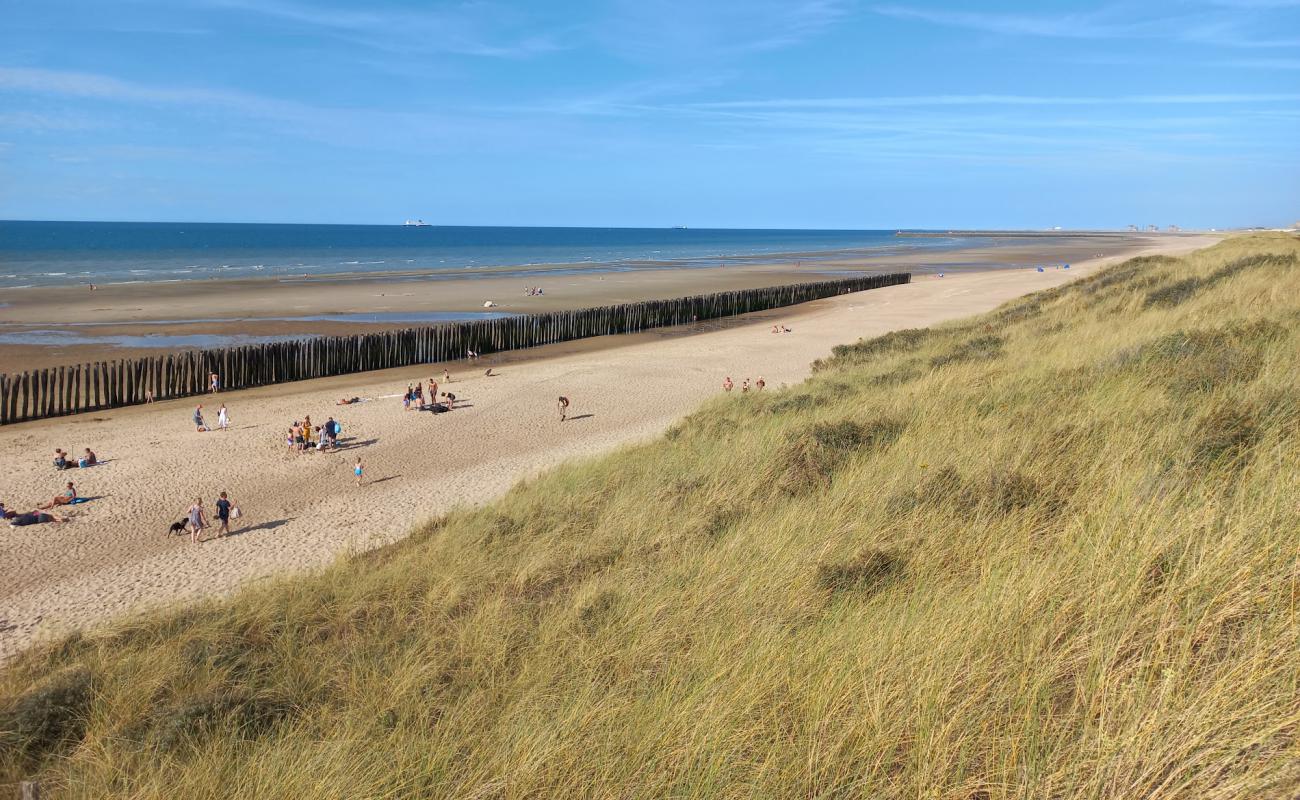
x=6, y=513
x=35, y=518
x=347, y=401
x=69, y=494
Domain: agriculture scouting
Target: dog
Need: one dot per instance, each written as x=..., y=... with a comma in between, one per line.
x=178, y=527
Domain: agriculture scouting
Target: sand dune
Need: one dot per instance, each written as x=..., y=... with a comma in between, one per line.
x=301, y=511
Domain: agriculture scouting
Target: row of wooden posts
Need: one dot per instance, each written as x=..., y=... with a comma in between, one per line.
x=44, y=393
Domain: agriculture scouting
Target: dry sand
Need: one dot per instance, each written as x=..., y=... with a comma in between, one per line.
x=302, y=511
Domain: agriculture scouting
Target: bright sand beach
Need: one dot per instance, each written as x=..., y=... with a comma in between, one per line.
x=303, y=510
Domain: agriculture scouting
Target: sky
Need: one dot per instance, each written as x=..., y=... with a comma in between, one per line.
x=707, y=113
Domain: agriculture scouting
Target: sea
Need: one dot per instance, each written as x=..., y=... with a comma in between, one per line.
x=70, y=253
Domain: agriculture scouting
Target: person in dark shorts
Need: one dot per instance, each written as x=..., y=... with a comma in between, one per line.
x=223, y=515
x=35, y=518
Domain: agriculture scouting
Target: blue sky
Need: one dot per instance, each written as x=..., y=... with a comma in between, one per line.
x=732, y=113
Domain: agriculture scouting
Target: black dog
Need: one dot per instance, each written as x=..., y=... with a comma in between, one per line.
x=178, y=527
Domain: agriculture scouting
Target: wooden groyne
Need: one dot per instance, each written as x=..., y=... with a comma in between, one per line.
x=58, y=391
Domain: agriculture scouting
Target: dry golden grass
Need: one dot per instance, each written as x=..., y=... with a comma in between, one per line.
x=1049, y=552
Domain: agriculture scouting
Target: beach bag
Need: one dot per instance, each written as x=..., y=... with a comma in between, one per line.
x=235, y=513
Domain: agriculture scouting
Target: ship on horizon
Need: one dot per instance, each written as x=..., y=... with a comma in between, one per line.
x=415, y=223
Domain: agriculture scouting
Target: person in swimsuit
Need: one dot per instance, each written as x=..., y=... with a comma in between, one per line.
x=450, y=399
x=35, y=518
x=744, y=386
x=65, y=499
x=198, y=521
x=358, y=470
x=88, y=460
x=6, y=513
x=223, y=515
x=760, y=383
x=727, y=384
x=563, y=406
x=214, y=383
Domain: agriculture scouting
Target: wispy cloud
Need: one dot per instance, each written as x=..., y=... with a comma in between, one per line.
x=842, y=103
x=1224, y=28
x=694, y=30
x=475, y=28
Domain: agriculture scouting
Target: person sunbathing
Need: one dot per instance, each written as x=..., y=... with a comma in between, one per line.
x=35, y=518
x=347, y=401
x=68, y=496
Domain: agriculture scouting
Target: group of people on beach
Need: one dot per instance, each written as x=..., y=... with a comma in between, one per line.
x=197, y=520
x=223, y=419
x=533, y=291
x=44, y=511
x=64, y=461
x=303, y=436
x=413, y=398
x=728, y=384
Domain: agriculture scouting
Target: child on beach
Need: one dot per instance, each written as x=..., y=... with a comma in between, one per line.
x=563, y=405
x=358, y=470
x=223, y=515
x=198, y=521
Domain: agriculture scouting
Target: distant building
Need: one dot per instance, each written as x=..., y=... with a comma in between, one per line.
x=1134, y=228
x=1153, y=228
x=1174, y=229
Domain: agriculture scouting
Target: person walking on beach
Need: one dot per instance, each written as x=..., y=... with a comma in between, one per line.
x=198, y=521
x=223, y=419
x=358, y=470
x=214, y=383
x=563, y=406
x=223, y=515
x=198, y=419
x=727, y=384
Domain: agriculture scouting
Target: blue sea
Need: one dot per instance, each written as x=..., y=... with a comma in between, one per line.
x=63, y=253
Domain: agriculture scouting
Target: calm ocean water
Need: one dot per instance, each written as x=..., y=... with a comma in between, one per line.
x=55, y=253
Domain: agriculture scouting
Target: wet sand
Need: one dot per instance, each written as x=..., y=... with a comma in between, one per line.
x=204, y=313
x=302, y=510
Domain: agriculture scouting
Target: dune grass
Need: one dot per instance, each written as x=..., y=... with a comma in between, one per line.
x=1050, y=552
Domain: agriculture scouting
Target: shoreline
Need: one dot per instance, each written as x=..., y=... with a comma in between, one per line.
x=302, y=510
x=72, y=325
